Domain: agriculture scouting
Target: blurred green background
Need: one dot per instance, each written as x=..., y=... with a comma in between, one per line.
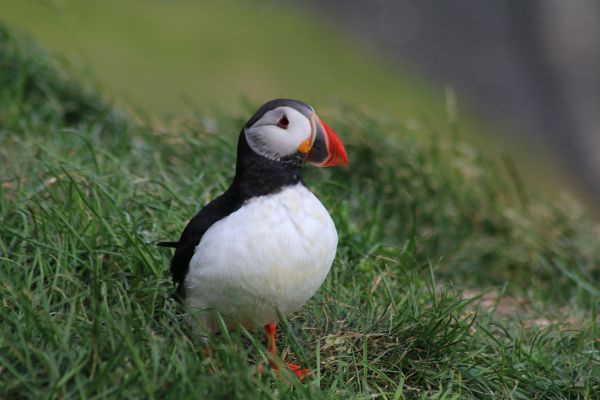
x=162, y=57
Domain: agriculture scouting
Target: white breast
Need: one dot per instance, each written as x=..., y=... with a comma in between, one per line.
x=267, y=258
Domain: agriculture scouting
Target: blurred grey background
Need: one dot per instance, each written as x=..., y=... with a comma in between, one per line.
x=532, y=64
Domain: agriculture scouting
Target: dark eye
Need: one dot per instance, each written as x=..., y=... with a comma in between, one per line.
x=283, y=122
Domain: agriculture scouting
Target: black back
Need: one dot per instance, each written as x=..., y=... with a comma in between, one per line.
x=255, y=175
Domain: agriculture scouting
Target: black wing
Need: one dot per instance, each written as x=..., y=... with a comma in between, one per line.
x=214, y=211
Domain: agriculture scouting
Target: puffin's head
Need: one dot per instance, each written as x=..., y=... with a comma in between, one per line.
x=285, y=129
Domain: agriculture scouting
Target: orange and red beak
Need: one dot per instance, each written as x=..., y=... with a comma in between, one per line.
x=327, y=148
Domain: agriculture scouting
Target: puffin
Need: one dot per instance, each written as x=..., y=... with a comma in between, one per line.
x=263, y=248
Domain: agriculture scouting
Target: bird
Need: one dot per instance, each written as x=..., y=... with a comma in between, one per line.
x=263, y=248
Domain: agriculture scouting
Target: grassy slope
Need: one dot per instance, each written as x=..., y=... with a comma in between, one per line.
x=85, y=309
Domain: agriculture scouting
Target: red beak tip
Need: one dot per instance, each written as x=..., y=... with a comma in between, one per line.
x=342, y=158
x=337, y=152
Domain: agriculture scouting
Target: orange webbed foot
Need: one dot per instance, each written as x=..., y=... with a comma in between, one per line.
x=275, y=362
x=301, y=373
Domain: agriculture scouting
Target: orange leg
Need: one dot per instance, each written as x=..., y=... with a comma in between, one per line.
x=272, y=349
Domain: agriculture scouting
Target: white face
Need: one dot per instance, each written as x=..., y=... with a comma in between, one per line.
x=279, y=133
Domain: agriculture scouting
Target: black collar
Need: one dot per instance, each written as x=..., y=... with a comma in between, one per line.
x=256, y=175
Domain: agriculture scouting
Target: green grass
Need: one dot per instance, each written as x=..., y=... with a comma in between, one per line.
x=422, y=215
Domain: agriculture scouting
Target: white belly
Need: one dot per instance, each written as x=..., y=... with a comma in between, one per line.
x=267, y=258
